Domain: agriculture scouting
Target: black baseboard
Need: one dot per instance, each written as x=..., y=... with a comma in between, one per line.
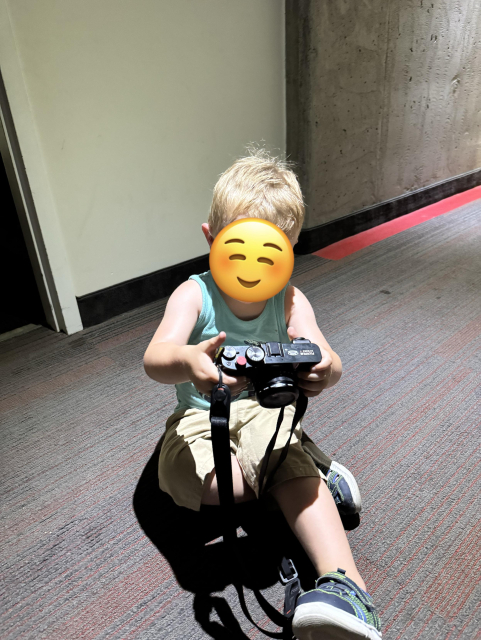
x=322, y=236
x=105, y=304
x=110, y=302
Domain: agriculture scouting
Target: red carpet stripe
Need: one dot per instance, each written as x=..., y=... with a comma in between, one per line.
x=346, y=247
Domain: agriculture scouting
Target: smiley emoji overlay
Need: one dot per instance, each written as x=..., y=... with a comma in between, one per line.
x=251, y=259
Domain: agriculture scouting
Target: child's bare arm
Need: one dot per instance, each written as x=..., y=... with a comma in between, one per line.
x=302, y=323
x=165, y=357
x=170, y=360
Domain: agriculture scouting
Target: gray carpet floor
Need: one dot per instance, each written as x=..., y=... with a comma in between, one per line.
x=91, y=549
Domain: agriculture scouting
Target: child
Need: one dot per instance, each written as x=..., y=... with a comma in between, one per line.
x=200, y=317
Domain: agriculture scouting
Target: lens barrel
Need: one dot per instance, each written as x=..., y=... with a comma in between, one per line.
x=276, y=392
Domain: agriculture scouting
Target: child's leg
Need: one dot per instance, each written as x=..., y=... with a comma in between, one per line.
x=340, y=481
x=242, y=491
x=312, y=514
x=322, y=460
x=338, y=606
x=186, y=460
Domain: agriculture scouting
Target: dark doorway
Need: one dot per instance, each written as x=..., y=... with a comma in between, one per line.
x=20, y=300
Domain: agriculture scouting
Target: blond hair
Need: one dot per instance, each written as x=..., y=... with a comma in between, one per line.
x=258, y=186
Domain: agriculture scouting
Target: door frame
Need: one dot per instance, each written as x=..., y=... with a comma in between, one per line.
x=28, y=178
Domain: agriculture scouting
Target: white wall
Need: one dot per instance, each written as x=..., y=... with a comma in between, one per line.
x=138, y=106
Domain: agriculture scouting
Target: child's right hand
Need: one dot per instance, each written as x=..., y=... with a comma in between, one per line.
x=202, y=371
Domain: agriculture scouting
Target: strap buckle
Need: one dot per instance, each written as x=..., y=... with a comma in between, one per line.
x=287, y=571
x=220, y=400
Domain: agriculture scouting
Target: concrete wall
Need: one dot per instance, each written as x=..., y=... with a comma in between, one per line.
x=383, y=98
x=138, y=106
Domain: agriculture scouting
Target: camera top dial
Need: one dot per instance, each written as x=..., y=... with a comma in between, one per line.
x=255, y=355
x=229, y=353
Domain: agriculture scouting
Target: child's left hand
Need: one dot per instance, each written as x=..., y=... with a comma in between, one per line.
x=315, y=380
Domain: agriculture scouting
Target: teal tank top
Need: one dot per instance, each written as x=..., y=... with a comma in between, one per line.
x=216, y=316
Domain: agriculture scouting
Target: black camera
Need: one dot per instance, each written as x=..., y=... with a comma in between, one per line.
x=271, y=367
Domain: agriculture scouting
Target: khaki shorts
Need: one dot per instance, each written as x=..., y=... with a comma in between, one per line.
x=186, y=455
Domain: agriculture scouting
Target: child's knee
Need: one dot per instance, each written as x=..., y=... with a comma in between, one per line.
x=242, y=490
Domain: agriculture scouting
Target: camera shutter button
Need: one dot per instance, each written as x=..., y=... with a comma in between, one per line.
x=241, y=361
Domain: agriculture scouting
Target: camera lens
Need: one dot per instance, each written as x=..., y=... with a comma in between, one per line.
x=277, y=392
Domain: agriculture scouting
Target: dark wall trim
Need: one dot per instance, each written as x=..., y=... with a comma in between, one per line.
x=323, y=235
x=110, y=302
x=105, y=304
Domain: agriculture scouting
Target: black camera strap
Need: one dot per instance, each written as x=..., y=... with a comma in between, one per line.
x=219, y=419
x=301, y=406
x=219, y=422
